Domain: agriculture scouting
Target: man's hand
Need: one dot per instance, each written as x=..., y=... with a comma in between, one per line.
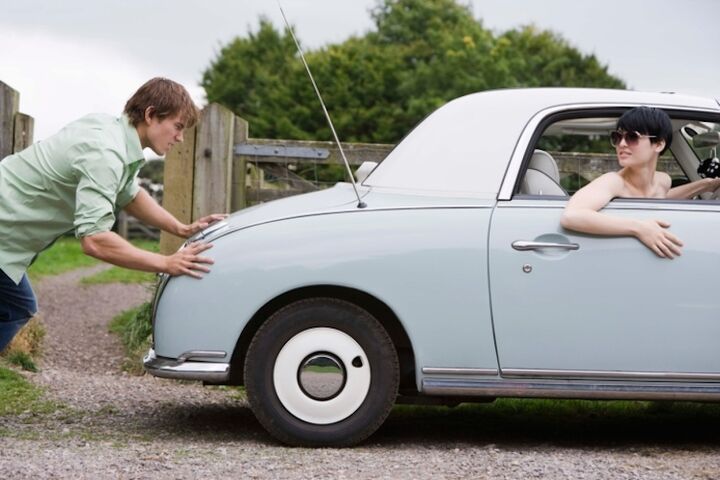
x=187, y=261
x=655, y=236
x=188, y=231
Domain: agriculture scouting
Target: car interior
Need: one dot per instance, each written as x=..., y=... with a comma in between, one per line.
x=572, y=152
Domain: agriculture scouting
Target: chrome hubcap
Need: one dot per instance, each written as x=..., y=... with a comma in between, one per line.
x=321, y=376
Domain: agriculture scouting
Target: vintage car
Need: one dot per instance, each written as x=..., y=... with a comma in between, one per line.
x=455, y=280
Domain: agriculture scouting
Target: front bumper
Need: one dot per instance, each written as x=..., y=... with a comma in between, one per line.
x=184, y=369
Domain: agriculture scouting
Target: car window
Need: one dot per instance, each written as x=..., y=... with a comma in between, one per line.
x=581, y=150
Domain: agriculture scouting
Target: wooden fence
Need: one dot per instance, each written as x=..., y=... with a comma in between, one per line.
x=220, y=169
x=16, y=129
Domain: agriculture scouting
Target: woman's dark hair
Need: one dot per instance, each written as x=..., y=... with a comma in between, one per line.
x=648, y=121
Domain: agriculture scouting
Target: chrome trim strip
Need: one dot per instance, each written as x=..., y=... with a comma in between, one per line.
x=230, y=230
x=624, y=204
x=184, y=370
x=201, y=353
x=459, y=371
x=608, y=374
x=523, y=245
x=591, y=391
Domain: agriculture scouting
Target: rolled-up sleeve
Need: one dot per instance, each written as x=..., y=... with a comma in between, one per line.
x=128, y=193
x=99, y=175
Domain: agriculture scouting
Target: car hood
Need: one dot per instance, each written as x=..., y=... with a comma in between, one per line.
x=338, y=198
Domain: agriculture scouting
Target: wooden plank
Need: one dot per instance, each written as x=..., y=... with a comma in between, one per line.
x=356, y=153
x=269, y=194
x=178, y=187
x=213, y=161
x=238, y=197
x=23, y=136
x=290, y=178
x=122, y=226
x=9, y=101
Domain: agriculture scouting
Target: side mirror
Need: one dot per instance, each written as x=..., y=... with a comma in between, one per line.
x=364, y=170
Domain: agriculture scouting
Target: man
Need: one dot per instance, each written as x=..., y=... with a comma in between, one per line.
x=642, y=135
x=77, y=180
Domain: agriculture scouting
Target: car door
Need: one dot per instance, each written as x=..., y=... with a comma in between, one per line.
x=567, y=304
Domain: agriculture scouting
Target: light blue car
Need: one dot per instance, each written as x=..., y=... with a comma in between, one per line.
x=456, y=280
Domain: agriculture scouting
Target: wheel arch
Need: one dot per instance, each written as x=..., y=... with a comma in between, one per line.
x=371, y=304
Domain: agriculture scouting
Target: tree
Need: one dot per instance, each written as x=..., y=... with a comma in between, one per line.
x=421, y=54
x=544, y=59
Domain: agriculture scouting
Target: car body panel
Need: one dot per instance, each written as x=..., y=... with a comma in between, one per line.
x=429, y=264
x=632, y=312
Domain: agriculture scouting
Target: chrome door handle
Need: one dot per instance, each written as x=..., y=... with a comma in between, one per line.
x=523, y=245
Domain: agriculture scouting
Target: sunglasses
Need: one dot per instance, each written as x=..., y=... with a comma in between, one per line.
x=631, y=138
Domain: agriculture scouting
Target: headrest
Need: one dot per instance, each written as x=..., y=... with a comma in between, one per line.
x=543, y=161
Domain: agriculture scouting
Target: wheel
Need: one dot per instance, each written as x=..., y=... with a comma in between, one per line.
x=321, y=372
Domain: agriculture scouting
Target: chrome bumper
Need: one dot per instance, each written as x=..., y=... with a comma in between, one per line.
x=184, y=369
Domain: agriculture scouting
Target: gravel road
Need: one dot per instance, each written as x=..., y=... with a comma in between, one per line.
x=113, y=425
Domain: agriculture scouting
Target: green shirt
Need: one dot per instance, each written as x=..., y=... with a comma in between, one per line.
x=76, y=179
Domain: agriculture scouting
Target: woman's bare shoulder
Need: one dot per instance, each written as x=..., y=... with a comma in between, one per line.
x=612, y=180
x=663, y=179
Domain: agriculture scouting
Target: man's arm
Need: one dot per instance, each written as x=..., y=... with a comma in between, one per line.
x=112, y=248
x=146, y=209
x=582, y=214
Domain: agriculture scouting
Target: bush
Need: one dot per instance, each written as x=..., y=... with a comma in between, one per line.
x=26, y=345
x=135, y=328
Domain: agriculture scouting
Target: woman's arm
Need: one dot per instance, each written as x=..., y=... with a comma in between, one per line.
x=582, y=214
x=689, y=190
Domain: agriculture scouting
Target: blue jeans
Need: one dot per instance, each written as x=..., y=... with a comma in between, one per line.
x=17, y=306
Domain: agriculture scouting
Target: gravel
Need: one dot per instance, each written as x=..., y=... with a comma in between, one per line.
x=114, y=425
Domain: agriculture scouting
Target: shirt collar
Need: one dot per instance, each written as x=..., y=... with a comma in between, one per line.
x=132, y=142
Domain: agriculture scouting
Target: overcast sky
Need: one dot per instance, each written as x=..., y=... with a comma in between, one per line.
x=71, y=57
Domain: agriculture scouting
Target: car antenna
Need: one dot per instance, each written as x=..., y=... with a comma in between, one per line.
x=361, y=204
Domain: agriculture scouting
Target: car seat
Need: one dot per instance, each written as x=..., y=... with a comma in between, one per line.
x=542, y=176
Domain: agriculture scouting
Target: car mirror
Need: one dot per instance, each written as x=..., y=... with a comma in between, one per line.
x=707, y=139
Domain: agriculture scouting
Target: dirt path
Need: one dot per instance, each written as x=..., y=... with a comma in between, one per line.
x=81, y=364
x=113, y=425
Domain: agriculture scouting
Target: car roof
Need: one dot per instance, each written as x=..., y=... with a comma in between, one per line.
x=464, y=147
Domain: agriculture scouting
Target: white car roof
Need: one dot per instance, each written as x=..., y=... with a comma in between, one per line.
x=464, y=147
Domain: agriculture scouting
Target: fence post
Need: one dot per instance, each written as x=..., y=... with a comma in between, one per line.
x=213, y=161
x=9, y=101
x=23, y=136
x=178, y=187
x=238, y=197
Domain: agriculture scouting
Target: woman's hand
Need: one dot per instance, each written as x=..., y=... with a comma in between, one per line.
x=655, y=236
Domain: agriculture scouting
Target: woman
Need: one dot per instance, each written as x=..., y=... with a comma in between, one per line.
x=642, y=135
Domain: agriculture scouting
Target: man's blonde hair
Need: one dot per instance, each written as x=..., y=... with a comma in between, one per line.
x=168, y=98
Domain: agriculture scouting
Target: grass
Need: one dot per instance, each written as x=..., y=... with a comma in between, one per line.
x=134, y=328
x=530, y=420
x=18, y=396
x=64, y=255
